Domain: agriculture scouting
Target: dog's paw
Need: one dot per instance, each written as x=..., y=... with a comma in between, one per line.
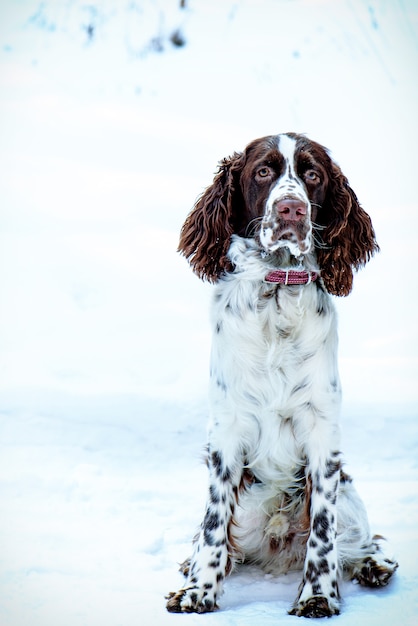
x=375, y=571
x=191, y=600
x=317, y=606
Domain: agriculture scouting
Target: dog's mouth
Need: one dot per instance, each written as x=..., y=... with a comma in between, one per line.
x=297, y=240
x=290, y=238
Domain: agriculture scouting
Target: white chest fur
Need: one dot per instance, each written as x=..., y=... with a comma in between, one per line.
x=273, y=368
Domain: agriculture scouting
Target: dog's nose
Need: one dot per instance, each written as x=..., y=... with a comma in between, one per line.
x=291, y=209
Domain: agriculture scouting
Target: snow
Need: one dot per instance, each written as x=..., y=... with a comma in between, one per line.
x=109, y=132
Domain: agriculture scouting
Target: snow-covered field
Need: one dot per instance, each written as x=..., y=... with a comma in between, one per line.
x=108, y=133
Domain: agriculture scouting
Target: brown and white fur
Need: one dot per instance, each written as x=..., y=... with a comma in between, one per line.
x=277, y=494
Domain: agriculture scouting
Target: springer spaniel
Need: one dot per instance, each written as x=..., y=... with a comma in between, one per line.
x=278, y=231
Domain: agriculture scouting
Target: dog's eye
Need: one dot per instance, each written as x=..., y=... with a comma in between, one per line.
x=312, y=176
x=263, y=172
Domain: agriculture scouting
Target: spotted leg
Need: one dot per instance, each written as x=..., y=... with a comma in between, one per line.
x=319, y=595
x=211, y=559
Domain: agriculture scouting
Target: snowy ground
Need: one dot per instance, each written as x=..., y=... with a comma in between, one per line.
x=108, y=133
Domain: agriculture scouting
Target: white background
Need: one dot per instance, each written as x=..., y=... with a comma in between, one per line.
x=105, y=142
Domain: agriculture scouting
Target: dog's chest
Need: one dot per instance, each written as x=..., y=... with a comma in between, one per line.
x=257, y=322
x=273, y=358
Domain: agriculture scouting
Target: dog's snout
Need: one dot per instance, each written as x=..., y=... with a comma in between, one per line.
x=291, y=209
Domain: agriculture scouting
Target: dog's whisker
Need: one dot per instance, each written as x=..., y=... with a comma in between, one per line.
x=317, y=226
x=252, y=226
x=319, y=243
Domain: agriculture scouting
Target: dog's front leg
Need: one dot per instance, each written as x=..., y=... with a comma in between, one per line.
x=212, y=556
x=319, y=595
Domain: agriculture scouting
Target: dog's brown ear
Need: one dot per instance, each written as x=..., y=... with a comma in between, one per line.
x=349, y=239
x=206, y=233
